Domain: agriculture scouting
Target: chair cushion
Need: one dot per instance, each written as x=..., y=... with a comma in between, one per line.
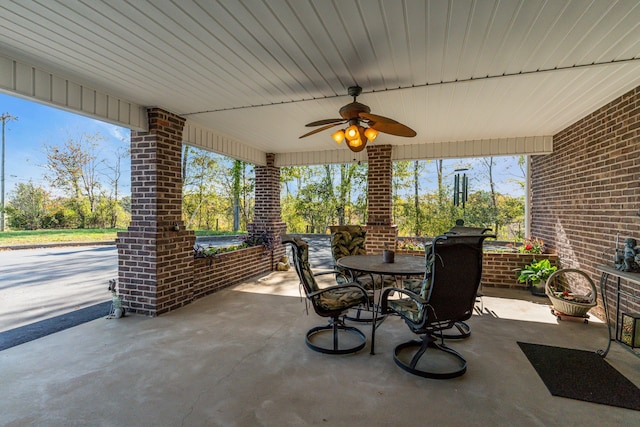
x=347, y=240
x=338, y=299
x=406, y=308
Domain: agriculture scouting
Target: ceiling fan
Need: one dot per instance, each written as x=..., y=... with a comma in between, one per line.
x=363, y=126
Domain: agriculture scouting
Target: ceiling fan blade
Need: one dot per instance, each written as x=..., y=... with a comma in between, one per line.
x=324, y=122
x=387, y=125
x=321, y=129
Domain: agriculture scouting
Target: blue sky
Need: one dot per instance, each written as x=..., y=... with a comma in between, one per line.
x=38, y=125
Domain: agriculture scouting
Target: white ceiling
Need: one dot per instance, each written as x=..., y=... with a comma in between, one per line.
x=256, y=71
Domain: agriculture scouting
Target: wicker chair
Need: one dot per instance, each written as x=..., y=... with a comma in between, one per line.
x=448, y=295
x=331, y=302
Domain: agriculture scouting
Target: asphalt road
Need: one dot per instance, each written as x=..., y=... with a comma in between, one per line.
x=41, y=283
x=36, y=284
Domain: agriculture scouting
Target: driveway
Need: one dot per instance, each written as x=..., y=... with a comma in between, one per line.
x=42, y=283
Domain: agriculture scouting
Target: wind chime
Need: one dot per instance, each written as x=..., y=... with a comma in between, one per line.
x=460, y=188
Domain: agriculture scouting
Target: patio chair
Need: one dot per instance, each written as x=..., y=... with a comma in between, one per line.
x=349, y=240
x=462, y=230
x=447, y=296
x=331, y=302
x=460, y=330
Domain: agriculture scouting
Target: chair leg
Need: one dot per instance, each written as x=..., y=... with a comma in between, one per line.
x=422, y=346
x=464, y=331
x=339, y=333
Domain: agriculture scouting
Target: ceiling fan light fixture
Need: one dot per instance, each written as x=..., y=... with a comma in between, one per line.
x=354, y=143
x=338, y=136
x=352, y=133
x=371, y=134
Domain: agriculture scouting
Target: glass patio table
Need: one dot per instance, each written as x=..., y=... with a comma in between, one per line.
x=403, y=265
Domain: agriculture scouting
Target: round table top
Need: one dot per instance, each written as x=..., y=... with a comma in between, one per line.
x=404, y=264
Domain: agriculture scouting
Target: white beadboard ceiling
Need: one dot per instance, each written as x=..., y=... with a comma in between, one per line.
x=252, y=73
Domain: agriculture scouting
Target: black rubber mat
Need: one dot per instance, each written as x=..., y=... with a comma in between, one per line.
x=581, y=375
x=45, y=327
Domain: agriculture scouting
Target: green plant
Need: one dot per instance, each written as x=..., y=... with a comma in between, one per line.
x=411, y=244
x=532, y=246
x=536, y=272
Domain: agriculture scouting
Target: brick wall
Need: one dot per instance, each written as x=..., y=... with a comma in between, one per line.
x=155, y=254
x=157, y=272
x=588, y=190
x=499, y=269
x=381, y=231
x=228, y=268
x=266, y=218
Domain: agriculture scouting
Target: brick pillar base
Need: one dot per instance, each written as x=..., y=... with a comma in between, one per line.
x=381, y=232
x=155, y=255
x=266, y=216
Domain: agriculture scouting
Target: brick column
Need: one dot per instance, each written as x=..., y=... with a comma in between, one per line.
x=155, y=255
x=266, y=218
x=380, y=228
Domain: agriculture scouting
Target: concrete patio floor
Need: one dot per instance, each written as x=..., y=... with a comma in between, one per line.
x=238, y=358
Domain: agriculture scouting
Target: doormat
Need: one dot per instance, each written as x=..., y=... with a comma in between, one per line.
x=581, y=375
x=40, y=329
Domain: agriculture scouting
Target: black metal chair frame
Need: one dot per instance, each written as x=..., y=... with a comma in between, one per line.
x=336, y=325
x=448, y=299
x=464, y=330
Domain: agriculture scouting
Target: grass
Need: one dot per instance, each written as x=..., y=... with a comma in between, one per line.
x=30, y=237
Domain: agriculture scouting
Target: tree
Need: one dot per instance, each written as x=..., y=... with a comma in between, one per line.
x=121, y=153
x=27, y=207
x=202, y=174
x=236, y=174
x=488, y=164
x=73, y=168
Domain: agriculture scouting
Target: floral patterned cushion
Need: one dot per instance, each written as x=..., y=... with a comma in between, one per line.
x=347, y=240
x=407, y=308
x=331, y=299
x=337, y=299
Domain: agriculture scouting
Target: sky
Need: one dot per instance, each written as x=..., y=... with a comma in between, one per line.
x=38, y=125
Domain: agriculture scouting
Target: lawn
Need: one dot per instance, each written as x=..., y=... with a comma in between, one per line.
x=30, y=237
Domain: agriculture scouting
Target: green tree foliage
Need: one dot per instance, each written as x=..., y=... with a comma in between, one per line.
x=27, y=207
x=315, y=197
x=87, y=185
x=72, y=167
x=217, y=191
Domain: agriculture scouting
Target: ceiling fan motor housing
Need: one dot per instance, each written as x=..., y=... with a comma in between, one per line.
x=351, y=110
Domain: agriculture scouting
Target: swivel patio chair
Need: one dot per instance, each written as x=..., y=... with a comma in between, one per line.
x=454, y=270
x=349, y=240
x=463, y=230
x=460, y=330
x=331, y=302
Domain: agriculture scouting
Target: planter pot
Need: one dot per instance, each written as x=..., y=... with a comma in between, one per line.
x=388, y=256
x=538, y=289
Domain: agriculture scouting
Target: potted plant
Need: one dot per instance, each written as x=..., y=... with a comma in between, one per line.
x=536, y=274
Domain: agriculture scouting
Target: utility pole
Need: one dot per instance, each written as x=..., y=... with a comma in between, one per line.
x=6, y=117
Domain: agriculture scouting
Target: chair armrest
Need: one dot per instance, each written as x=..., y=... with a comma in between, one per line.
x=385, y=297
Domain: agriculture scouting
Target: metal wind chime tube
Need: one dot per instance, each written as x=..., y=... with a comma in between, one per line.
x=461, y=188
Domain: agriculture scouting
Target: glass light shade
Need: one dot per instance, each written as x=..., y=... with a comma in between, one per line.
x=371, y=134
x=352, y=133
x=338, y=136
x=355, y=142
